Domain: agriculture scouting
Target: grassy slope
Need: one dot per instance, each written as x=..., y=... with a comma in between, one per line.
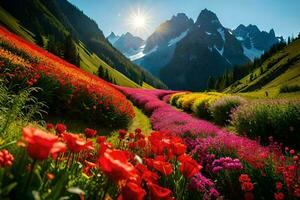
x=10, y=21
x=291, y=76
x=89, y=62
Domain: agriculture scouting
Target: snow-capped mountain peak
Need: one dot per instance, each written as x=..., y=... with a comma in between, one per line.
x=112, y=38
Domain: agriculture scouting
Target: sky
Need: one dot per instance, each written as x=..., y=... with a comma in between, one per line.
x=116, y=15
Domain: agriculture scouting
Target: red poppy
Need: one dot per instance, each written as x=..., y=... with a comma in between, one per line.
x=131, y=135
x=90, y=132
x=178, y=149
x=244, y=178
x=115, y=164
x=247, y=186
x=41, y=144
x=101, y=139
x=60, y=128
x=131, y=145
x=279, y=196
x=278, y=185
x=6, y=159
x=139, y=136
x=146, y=174
x=49, y=126
x=163, y=167
x=158, y=193
x=141, y=143
x=188, y=166
x=122, y=134
x=103, y=147
x=132, y=191
x=76, y=143
x=158, y=149
x=138, y=130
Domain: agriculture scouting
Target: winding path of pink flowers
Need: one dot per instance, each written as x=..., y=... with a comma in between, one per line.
x=165, y=118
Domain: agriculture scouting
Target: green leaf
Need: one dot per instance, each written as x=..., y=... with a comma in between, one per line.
x=6, y=190
x=36, y=195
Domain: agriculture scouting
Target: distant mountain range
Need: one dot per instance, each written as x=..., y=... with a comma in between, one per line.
x=184, y=53
x=127, y=44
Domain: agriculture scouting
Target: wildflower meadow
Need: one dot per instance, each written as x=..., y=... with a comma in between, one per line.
x=201, y=145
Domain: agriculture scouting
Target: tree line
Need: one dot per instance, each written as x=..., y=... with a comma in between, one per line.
x=239, y=71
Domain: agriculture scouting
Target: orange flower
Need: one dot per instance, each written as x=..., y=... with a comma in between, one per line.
x=50, y=176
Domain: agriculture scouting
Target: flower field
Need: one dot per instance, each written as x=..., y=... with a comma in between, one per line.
x=227, y=159
x=184, y=158
x=278, y=118
x=66, y=89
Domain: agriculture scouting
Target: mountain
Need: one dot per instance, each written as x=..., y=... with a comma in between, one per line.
x=160, y=45
x=50, y=22
x=127, y=44
x=254, y=41
x=280, y=69
x=112, y=38
x=208, y=49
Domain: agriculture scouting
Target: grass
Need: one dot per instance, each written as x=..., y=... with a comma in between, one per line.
x=13, y=24
x=140, y=121
x=275, y=74
x=147, y=86
x=90, y=62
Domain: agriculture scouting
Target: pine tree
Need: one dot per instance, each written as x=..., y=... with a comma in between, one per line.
x=52, y=45
x=100, y=71
x=106, y=75
x=70, y=50
x=39, y=40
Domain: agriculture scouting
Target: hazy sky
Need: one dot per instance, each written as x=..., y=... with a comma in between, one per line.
x=114, y=15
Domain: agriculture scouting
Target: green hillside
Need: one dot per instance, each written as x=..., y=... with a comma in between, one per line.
x=90, y=62
x=281, y=69
x=56, y=19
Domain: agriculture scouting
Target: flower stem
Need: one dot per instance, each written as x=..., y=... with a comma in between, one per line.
x=30, y=175
x=183, y=188
x=105, y=189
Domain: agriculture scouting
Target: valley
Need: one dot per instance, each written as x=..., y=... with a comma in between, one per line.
x=194, y=111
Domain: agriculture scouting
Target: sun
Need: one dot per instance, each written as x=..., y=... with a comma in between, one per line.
x=139, y=20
